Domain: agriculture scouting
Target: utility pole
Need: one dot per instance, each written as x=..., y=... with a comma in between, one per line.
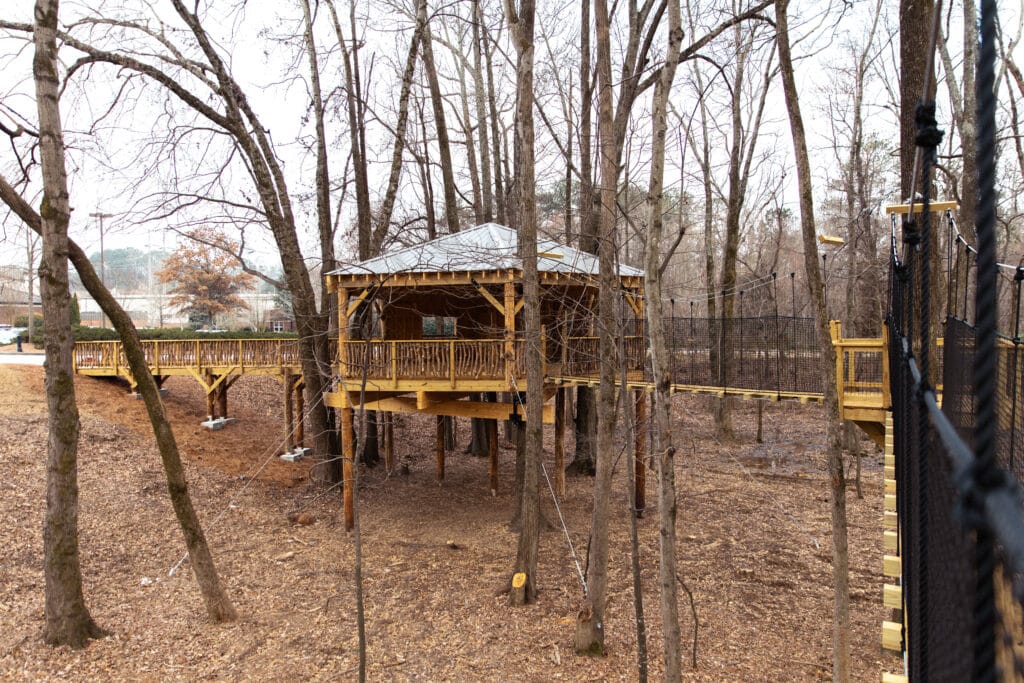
x=103, y=265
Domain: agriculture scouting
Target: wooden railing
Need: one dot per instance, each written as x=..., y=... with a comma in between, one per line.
x=442, y=359
x=583, y=356
x=197, y=354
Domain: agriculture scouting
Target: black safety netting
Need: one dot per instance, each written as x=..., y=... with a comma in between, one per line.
x=768, y=353
x=957, y=440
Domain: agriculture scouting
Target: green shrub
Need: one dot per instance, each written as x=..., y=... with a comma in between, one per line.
x=86, y=333
x=22, y=320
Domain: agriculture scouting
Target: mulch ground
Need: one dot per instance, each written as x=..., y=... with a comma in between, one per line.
x=754, y=550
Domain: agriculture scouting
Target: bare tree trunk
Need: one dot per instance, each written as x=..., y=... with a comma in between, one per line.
x=585, y=425
x=356, y=107
x=481, y=114
x=218, y=605
x=387, y=207
x=840, y=551
x=915, y=18
x=660, y=362
x=590, y=624
x=451, y=207
x=522, y=27
x=68, y=621
x=492, y=103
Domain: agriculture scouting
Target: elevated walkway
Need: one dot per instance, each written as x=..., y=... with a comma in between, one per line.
x=436, y=376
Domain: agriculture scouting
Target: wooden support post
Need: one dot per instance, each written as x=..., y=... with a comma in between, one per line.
x=560, y=441
x=289, y=413
x=222, y=398
x=343, y=358
x=300, y=415
x=211, y=408
x=640, y=451
x=348, y=457
x=440, y=448
x=389, y=441
x=492, y=453
x=510, y=333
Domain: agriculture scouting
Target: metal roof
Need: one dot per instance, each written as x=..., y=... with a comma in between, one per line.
x=486, y=247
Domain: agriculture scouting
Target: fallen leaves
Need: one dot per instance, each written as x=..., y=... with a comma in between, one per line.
x=432, y=557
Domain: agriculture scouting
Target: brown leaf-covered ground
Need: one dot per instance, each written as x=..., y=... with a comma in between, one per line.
x=753, y=528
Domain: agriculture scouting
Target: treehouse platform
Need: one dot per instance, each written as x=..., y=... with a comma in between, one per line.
x=437, y=329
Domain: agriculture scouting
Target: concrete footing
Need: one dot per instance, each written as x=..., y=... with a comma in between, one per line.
x=138, y=397
x=215, y=423
x=296, y=454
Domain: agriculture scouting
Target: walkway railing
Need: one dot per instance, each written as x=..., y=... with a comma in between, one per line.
x=107, y=357
x=769, y=355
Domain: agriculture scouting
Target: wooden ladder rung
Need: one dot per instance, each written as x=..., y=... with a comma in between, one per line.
x=892, y=636
x=892, y=596
x=890, y=521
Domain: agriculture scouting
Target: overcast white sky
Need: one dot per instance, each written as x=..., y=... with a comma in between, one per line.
x=260, y=60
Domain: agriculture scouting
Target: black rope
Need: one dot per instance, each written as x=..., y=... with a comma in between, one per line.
x=985, y=470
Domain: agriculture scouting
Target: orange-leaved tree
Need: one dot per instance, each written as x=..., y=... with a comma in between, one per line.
x=206, y=279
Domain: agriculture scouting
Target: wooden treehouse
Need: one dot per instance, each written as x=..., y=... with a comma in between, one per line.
x=436, y=327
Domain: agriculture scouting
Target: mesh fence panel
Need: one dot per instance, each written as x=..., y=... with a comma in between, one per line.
x=950, y=584
x=769, y=353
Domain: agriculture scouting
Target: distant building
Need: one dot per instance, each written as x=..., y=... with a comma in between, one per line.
x=155, y=310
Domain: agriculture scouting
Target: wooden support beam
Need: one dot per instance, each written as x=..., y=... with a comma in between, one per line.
x=300, y=415
x=934, y=207
x=479, y=409
x=640, y=452
x=211, y=407
x=890, y=486
x=348, y=456
x=492, y=454
x=222, y=398
x=891, y=541
x=510, y=333
x=389, y=442
x=893, y=678
x=560, y=442
x=354, y=306
x=440, y=448
x=490, y=298
x=889, y=503
x=891, y=566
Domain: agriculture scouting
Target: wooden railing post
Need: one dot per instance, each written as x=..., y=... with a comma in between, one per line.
x=836, y=329
x=886, y=391
x=394, y=363
x=510, y=333
x=451, y=363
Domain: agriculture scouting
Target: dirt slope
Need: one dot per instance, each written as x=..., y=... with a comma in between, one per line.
x=755, y=551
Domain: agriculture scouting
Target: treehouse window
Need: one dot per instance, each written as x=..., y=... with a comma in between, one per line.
x=438, y=327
